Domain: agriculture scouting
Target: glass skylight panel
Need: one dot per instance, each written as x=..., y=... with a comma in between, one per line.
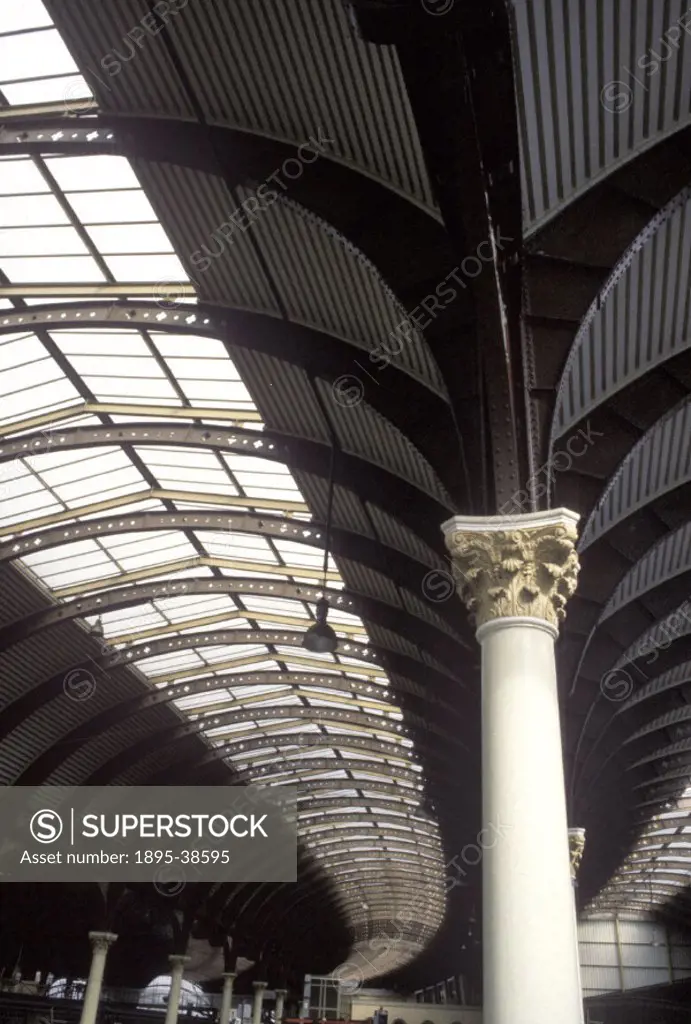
x=41, y=50
x=41, y=241
x=51, y=269
x=47, y=90
x=120, y=207
x=88, y=173
x=30, y=211
x=21, y=15
x=114, y=239
x=20, y=176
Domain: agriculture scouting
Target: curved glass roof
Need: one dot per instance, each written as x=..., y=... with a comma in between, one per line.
x=233, y=660
x=658, y=868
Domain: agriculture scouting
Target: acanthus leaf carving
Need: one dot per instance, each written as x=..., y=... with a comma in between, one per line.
x=521, y=572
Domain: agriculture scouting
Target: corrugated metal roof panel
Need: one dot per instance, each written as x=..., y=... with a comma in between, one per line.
x=283, y=394
x=667, y=559
x=76, y=768
x=368, y=582
x=361, y=430
x=637, y=482
x=641, y=318
x=598, y=84
x=246, y=66
x=396, y=535
x=285, y=262
x=348, y=510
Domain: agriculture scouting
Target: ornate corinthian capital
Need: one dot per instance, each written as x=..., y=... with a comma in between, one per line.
x=576, y=848
x=100, y=941
x=508, y=566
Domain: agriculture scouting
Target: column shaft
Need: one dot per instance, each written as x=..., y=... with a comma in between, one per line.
x=280, y=1003
x=226, y=999
x=176, y=971
x=259, y=987
x=100, y=943
x=516, y=575
x=530, y=952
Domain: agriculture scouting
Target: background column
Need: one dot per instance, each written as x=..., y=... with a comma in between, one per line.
x=516, y=574
x=259, y=987
x=177, y=966
x=281, y=994
x=100, y=943
x=227, y=997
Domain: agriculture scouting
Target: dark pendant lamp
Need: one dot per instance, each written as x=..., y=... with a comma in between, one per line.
x=321, y=638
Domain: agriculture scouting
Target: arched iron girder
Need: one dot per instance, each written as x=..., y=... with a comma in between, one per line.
x=320, y=805
x=432, y=751
x=672, y=627
x=595, y=369
x=664, y=562
x=317, y=877
x=239, y=157
x=655, y=780
x=679, y=818
x=373, y=554
x=641, y=478
x=308, y=764
x=656, y=867
x=676, y=717
x=326, y=356
x=383, y=657
x=370, y=654
x=43, y=766
x=671, y=750
x=331, y=837
x=373, y=609
x=406, y=501
x=656, y=798
x=369, y=821
x=669, y=680
x=125, y=758
x=667, y=559
x=14, y=713
x=427, y=867
x=659, y=886
x=277, y=913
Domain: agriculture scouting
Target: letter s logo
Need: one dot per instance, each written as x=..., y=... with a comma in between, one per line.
x=46, y=826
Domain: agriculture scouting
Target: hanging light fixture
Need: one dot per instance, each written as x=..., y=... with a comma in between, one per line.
x=97, y=629
x=321, y=638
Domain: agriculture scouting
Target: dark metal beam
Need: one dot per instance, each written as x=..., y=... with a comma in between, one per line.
x=403, y=499
x=374, y=554
x=375, y=610
x=43, y=766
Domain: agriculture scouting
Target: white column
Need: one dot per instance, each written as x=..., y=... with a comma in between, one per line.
x=100, y=943
x=281, y=994
x=226, y=998
x=516, y=574
x=259, y=987
x=177, y=966
x=576, y=848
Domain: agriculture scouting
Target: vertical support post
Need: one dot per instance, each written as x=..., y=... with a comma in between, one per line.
x=177, y=966
x=516, y=574
x=100, y=944
x=227, y=998
x=259, y=987
x=281, y=994
x=620, y=958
